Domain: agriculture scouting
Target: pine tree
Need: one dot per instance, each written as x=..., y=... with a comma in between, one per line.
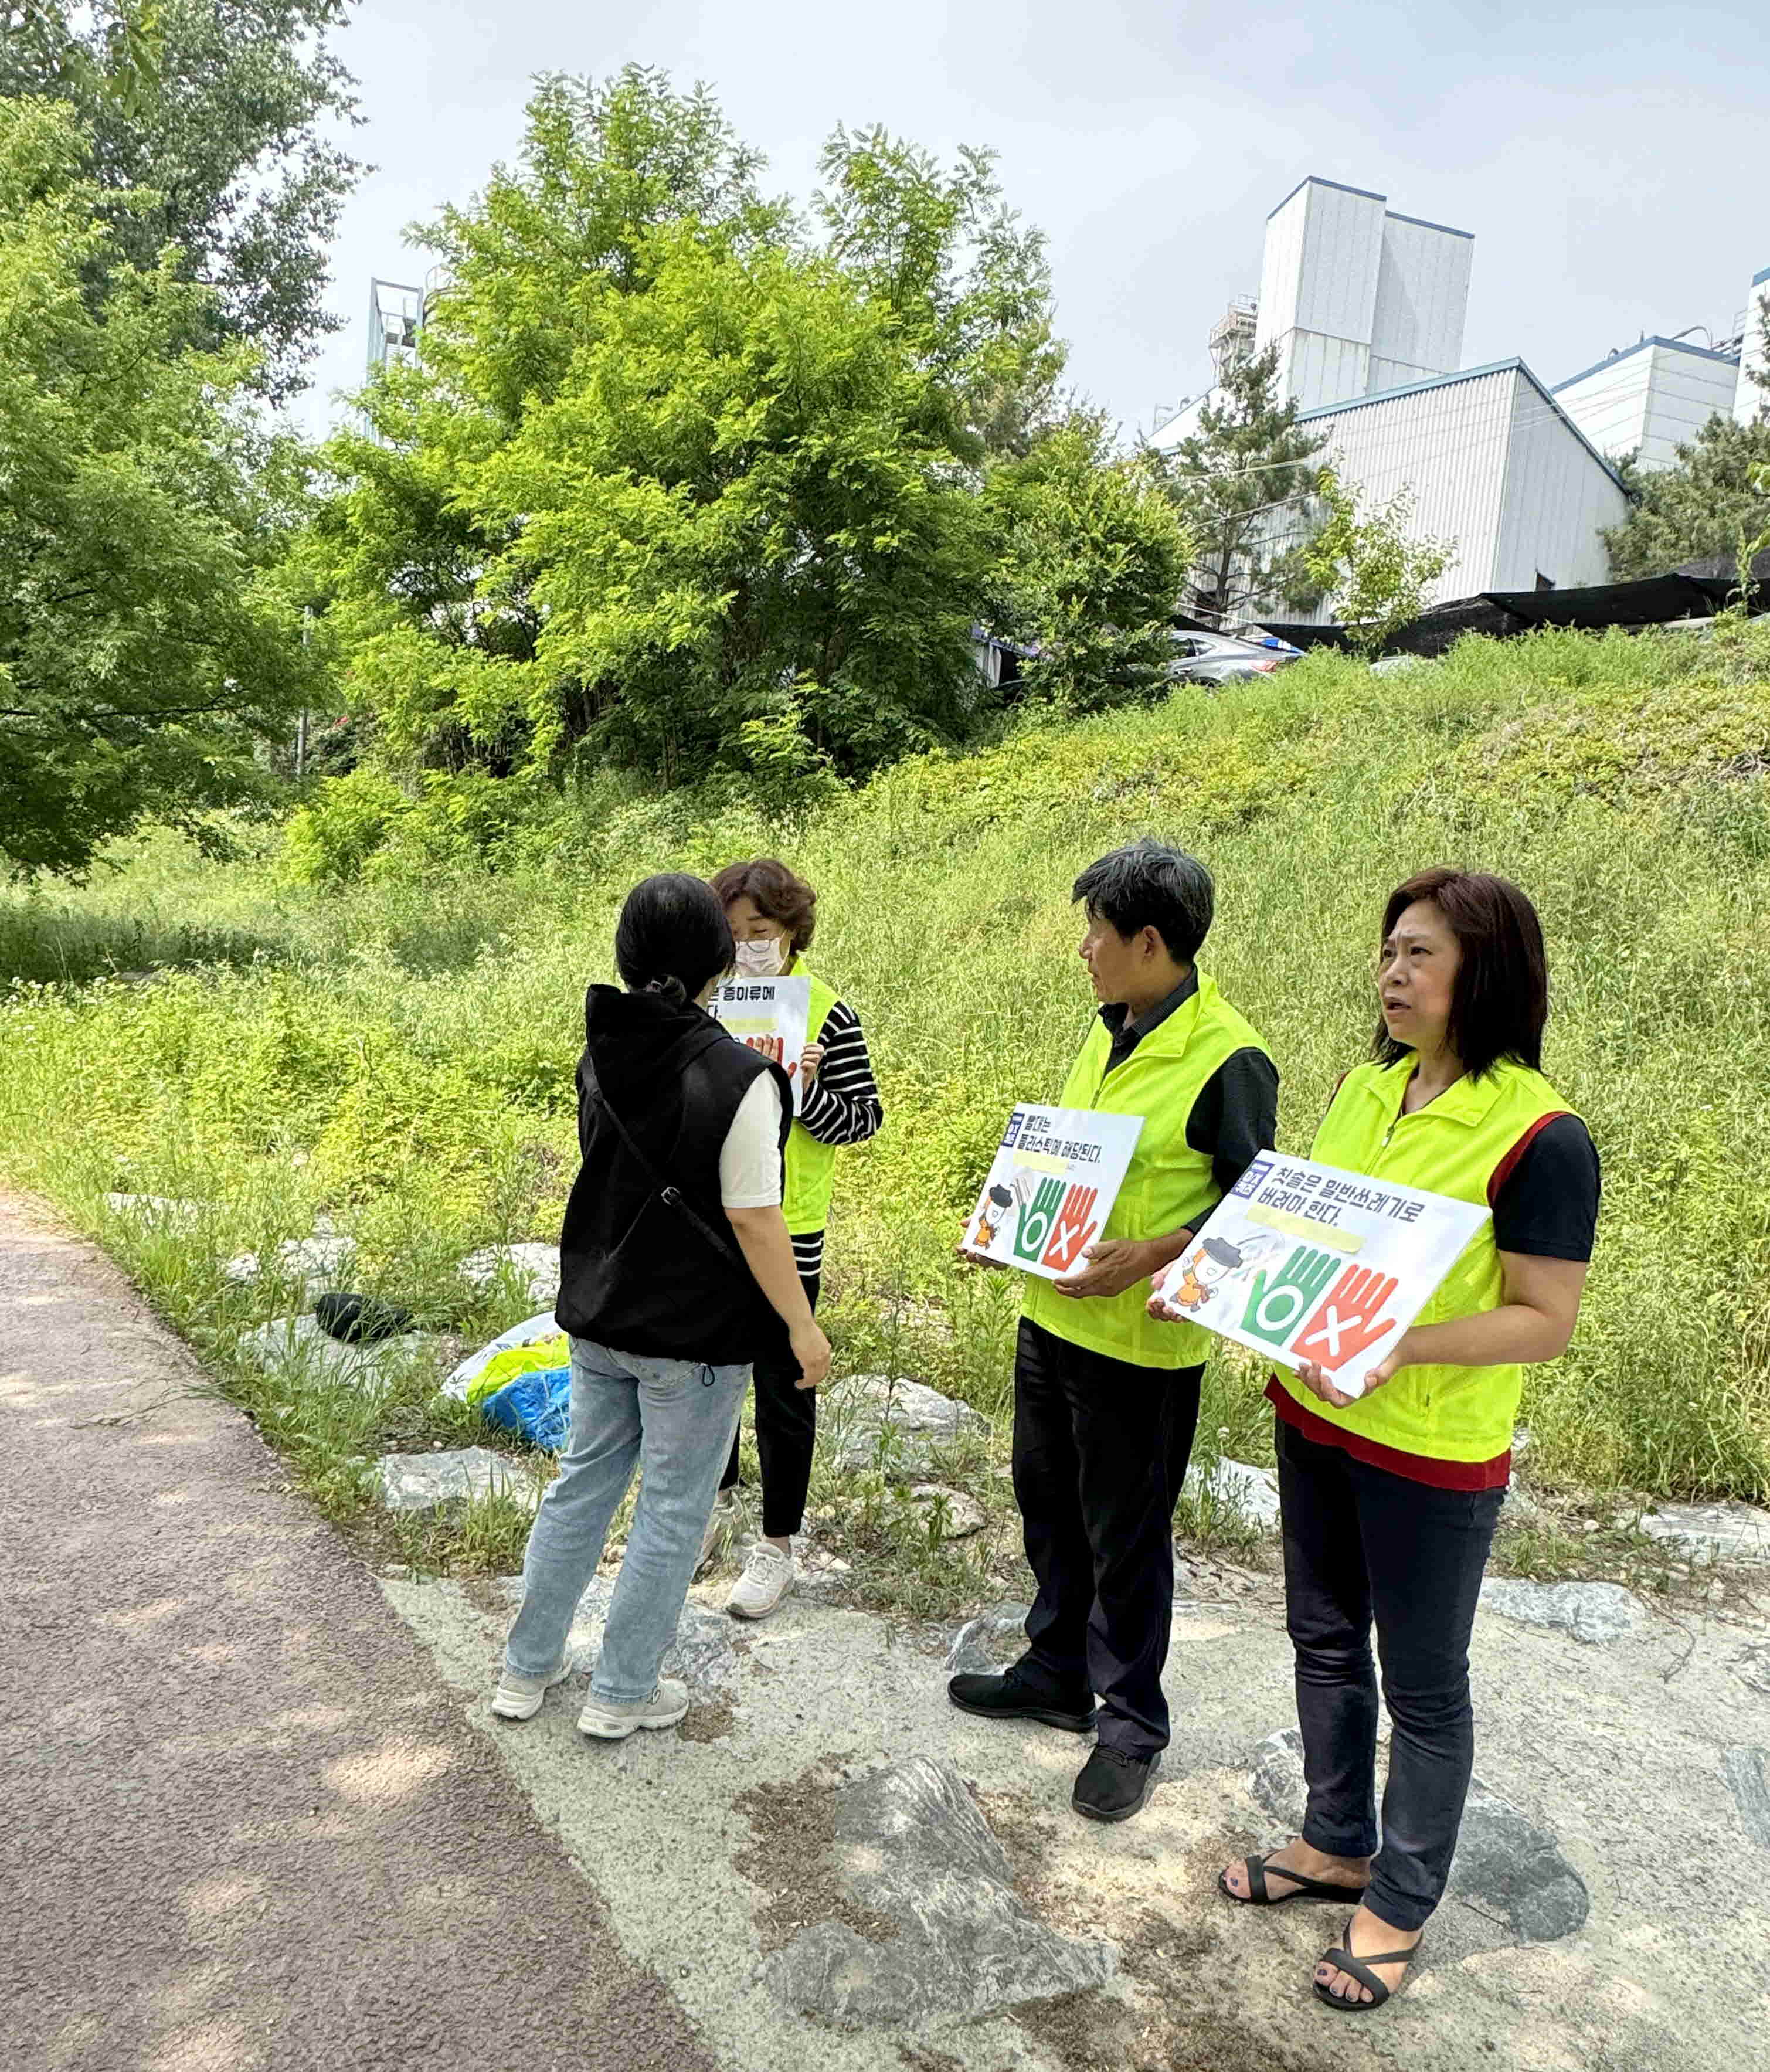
x=1232, y=480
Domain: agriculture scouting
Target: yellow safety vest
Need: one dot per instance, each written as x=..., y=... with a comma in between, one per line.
x=811, y=1165
x=1169, y=1186
x=1454, y=1145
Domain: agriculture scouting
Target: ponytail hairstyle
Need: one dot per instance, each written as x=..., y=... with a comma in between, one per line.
x=672, y=937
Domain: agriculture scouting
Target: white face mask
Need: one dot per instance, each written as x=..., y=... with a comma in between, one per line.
x=765, y=959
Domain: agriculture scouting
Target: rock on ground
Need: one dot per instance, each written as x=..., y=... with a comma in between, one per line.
x=427, y=1482
x=1751, y=1666
x=1507, y=1867
x=702, y=1653
x=1746, y=1771
x=318, y=1261
x=894, y=1424
x=1250, y=1493
x=1506, y=1864
x=301, y=1341
x=914, y=1846
x=1738, y=1530
x=1591, y=1612
x=535, y=1265
x=964, y=1514
x=151, y=1208
x=987, y=1642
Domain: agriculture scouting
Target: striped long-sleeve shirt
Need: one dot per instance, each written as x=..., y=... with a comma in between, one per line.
x=842, y=1106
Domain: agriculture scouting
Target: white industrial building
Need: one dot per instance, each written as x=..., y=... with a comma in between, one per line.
x=1364, y=308
x=1490, y=463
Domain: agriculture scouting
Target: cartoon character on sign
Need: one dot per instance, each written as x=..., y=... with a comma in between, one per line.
x=996, y=1204
x=1207, y=1268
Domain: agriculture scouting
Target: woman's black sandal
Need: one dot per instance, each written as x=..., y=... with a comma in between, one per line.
x=1257, y=1895
x=1359, y=1968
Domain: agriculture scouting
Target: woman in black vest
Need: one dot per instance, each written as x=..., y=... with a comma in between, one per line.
x=676, y=1270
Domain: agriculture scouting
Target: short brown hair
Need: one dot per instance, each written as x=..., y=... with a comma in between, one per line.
x=778, y=893
x=1500, y=999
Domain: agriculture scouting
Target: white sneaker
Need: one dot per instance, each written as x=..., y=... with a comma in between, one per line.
x=721, y=1523
x=519, y=1697
x=767, y=1577
x=610, y=1722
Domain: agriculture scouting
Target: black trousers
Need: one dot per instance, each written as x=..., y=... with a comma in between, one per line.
x=786, y=1433
x=1361, y=1543
x=1100, y=1450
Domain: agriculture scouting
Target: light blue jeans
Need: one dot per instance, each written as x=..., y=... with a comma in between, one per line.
x=673, y=1420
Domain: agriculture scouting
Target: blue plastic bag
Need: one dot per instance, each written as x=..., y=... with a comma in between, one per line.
x=536, y=1405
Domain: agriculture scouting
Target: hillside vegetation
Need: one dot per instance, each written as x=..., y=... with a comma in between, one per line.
x=397, y=1050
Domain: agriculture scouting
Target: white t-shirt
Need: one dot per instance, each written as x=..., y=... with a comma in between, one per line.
x=749, y=1159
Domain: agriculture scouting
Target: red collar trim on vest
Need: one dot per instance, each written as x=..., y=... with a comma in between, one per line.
x=1412, y=1467
x=1503, y=1172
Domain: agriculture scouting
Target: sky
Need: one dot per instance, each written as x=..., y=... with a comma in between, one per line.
x=1612, y=162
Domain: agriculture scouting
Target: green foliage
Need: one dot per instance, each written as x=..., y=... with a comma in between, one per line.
x=969, y=284
x=144, y=651
x=1248, y=455
x=1092, y=556
x=208, y=120
x=1701, y=508
x=1379, y=576
x=672, y=489
x=400, y=1053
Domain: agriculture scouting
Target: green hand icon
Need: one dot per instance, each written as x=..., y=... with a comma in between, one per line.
x=1272, y=1313
x=1034, y=1226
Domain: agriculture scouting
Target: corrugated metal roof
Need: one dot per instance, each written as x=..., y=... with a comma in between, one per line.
x=1465, y=374
x=1640, y=345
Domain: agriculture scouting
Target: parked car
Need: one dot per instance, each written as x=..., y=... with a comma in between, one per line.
x=1217, y=658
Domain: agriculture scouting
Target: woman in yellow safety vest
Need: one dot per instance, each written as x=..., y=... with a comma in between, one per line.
x=1389, y=1499
x=773, y=915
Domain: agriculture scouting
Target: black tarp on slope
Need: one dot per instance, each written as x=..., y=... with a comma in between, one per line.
x=1698, y=590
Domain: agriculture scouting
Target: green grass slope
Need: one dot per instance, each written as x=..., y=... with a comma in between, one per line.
x=399, y=1053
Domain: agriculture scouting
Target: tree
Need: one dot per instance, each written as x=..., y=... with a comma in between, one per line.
x=971, y=285
x=146, y=653
x=739, y=523
x=1092, y=556
x=1377, y=574
x=206, y=119
x=1231, y=479
x=1700, y=507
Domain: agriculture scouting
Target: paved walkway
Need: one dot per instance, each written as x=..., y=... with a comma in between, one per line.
x=247, y=1825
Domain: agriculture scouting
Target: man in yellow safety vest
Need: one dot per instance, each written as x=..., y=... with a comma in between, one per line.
x=1106, y=1398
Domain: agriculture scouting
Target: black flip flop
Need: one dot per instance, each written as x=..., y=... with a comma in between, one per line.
x=1257, y=1895
x=1359, y=1968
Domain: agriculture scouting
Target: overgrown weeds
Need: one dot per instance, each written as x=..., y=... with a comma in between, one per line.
x=397, y=1053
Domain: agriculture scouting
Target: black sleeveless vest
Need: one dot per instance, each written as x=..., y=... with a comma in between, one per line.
x=635, y=1273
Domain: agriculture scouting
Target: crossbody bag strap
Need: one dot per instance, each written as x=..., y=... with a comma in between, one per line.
x=668, y=1193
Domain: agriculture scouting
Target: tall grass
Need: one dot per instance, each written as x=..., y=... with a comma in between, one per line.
x=399, y=1053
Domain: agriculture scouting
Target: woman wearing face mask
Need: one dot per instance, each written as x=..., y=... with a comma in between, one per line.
x=675, y=1271
x=772, y=914
x=1389, y=1499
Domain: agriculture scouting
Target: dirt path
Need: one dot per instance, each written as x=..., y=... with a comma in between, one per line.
x=249, y=1825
